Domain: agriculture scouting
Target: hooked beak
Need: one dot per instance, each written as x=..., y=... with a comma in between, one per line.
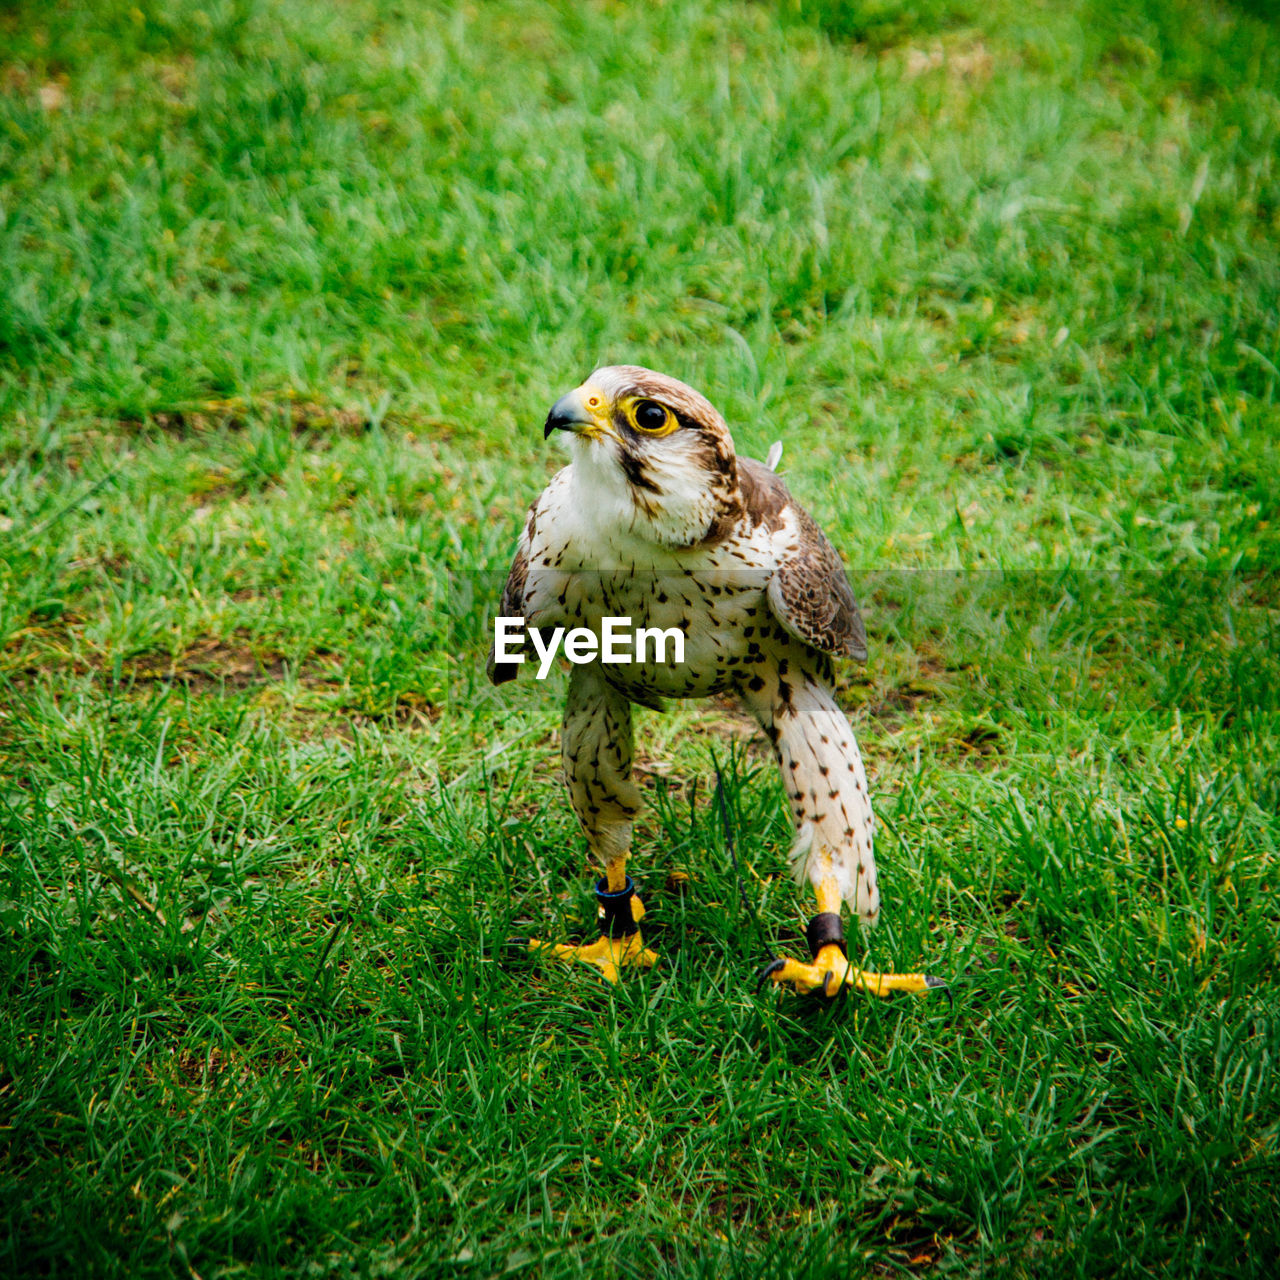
x=570, y=413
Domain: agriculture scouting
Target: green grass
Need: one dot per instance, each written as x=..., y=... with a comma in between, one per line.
x=285, y=291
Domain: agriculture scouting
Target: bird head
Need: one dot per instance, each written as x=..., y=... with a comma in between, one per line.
x=650, y=453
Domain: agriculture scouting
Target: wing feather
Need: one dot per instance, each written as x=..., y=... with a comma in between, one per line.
x=512, y=602
x=808, y=592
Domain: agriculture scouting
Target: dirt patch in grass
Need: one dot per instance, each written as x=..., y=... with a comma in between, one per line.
x=208, y=663
x=305, y=417
x=235, y=415
x=234, y=664
x=407, y=710
x=740, y=726
x=898, y=705
x=897, y=697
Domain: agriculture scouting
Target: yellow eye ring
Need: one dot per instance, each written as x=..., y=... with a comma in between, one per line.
x=652, y=418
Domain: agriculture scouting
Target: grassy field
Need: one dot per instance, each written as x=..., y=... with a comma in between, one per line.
x=285, y=291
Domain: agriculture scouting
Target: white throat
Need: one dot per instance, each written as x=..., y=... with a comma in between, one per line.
x=623, y=518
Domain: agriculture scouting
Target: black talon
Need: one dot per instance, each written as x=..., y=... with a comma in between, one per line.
x=776, y=965
x=935, y=984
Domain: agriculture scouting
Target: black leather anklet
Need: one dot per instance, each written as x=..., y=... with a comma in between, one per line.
x=614, y=916
x=824, y=929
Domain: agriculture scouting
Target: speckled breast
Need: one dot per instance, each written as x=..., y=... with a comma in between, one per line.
x=723, y=617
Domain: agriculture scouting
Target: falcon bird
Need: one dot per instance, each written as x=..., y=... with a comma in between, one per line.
x=658, y=520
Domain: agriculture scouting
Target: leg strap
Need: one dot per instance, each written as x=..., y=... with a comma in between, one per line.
x=824, y=929
x=614, y=915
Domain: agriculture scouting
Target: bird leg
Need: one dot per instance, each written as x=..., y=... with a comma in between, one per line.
x=595, y=745
x=831, y=970
x=826, y=784
x=619, y=914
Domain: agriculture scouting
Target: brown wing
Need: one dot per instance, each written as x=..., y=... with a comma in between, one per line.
x=512, y=602
x=808, y=592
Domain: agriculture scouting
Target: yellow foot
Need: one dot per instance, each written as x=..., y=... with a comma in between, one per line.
x=609, y=955
x=831, y=972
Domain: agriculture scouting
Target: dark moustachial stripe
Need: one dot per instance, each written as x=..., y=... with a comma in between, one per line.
x=637, y=477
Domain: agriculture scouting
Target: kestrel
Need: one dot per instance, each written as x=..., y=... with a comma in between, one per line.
x=658, y=520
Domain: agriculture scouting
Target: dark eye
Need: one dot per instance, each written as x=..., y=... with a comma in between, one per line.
x=650, y=416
